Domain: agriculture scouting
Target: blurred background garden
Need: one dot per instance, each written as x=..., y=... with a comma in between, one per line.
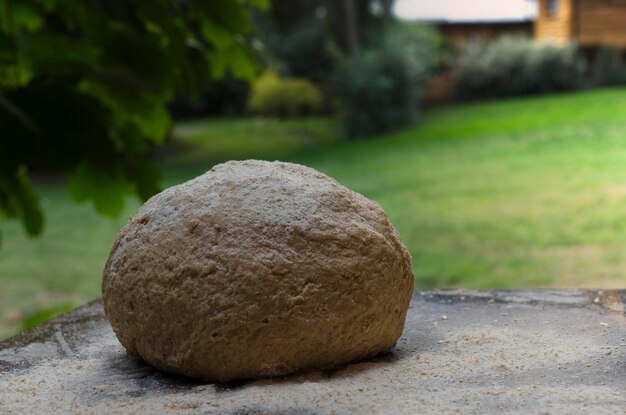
x=492, y=132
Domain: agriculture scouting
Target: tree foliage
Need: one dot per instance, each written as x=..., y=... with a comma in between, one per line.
x=84, y=87
x=293, y=33
x=305, y=38
x=380, y=88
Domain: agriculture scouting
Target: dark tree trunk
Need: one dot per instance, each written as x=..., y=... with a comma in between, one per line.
x=352, y=30
x=387, y=7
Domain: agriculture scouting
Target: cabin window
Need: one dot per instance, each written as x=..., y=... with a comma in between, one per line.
x=553, y=7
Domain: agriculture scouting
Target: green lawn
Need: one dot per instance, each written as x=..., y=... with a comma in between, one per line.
x=523, y=193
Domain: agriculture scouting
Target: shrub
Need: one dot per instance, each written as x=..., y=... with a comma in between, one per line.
x=376, y=94
x=379, y=90
x=226, y=97
x=297, y=48
x=608, y=67
x=274, y=96
x=512, y=66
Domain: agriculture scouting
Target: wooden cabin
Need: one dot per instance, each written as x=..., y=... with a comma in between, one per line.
x=588, y=23
x=458, y=33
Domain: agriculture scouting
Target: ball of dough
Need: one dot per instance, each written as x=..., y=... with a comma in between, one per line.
x=257, y=269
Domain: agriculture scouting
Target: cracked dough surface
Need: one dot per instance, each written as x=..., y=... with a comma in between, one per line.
x=257, y=269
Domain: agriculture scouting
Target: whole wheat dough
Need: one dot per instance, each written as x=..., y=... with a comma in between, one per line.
x=257, y=269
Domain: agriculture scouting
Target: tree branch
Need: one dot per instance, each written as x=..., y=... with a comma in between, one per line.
x=26, y=122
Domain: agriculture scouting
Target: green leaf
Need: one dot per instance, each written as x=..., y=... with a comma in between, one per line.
x=107, y=191
x=55, y=54
x=242, y=63
x=219, y=37
x=146, y=112
x=30, y=209
x=17, y=16
x=259, y=4
x=146, y=177
x=19, y=200
x=43, y=315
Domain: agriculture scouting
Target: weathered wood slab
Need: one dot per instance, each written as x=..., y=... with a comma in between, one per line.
x=471, y=352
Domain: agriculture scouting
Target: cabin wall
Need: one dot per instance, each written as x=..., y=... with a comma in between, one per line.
x=558, y=26
x=600, y=23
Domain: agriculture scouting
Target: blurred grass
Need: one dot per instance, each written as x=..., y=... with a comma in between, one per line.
x=199, y=144
x=521, y=193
